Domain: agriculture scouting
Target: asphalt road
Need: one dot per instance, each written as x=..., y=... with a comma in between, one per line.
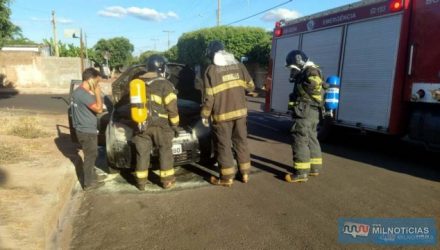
x=363, y=177
x=43, y=103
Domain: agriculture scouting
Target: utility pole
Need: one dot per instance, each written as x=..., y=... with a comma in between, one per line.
x=85, y=45
x=55, y=39
x=218, y=12
x=155, y=40
x=81, y=50
x=168, y=31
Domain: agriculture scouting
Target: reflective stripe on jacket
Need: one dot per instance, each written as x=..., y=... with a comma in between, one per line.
x=224, y=92
x=309, y=87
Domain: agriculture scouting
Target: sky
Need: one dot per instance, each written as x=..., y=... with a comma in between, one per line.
x=148, y=24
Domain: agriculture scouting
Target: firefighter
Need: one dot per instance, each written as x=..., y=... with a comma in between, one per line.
x=305, y=103
x=225, y=82
x=160, y=127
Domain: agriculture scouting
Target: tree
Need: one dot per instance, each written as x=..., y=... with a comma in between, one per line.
x=171, y=54
x=119, y=49
x=68, y=49
x=7, y=29
x=251, y=42
x=20, y=40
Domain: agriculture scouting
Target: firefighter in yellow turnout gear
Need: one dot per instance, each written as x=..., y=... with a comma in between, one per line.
x=160, y=127
x=225, y=82
x=305, y=103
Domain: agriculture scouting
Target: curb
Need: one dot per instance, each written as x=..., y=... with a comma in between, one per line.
x=34, y=90
x=65, y=193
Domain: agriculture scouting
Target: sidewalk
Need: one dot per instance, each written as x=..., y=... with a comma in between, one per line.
x=36, y=182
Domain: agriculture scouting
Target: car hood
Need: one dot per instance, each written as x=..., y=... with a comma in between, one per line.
x=182, y=77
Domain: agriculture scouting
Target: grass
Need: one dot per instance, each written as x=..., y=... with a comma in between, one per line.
x=23, y=125
x=10, y=153
x=26, y=127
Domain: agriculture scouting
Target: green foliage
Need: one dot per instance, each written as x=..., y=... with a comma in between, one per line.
x=171, y=54
x=8, y=30
x=20, y=40
x=120, y=50
x=65, y=49
x=251, y=42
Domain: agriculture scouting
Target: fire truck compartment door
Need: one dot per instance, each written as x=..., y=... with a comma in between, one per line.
x=323, y=48
x=281, y=87
x=368, y=72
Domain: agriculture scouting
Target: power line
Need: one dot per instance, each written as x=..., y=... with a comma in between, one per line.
x=261, y=12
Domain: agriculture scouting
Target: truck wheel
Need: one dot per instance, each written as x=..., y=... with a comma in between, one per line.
x=324, y=129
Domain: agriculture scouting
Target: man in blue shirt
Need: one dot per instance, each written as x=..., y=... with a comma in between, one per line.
x=86, y=103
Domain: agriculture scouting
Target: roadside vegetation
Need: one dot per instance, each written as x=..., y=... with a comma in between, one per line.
x=26, y=127
x=17, y=124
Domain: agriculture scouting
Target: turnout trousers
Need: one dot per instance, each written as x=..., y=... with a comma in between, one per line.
x=305, y=145
x=161, y=137
x=230, y=135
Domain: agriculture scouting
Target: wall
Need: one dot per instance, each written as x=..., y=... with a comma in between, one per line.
x=28, y=69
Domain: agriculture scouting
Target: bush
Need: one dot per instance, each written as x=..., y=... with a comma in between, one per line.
x=250, y=42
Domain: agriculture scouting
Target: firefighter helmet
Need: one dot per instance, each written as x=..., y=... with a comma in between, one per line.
x=214, y=47
x=156, y=63
x=296, y=59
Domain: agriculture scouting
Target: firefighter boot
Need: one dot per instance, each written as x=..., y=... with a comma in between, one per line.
x=141, y=179
x=169, y=183
x=221, y=182
x=245, y=178
x=298, y=176
x=314, y=171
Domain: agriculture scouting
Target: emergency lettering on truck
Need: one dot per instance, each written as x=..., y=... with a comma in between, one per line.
x=386, y=55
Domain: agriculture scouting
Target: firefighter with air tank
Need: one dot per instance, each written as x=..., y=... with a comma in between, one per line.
x=225, y=82
x=155, y=111
x=306, y=105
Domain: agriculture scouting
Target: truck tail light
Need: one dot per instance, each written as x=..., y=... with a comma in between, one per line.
x=278, y=31
x=396, y=5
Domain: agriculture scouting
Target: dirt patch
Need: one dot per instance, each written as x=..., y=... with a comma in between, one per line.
x=35, y=177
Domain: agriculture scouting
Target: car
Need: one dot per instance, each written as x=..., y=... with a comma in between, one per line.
x=193, y=143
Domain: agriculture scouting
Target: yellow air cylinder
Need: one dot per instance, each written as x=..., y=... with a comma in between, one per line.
x=138, y=100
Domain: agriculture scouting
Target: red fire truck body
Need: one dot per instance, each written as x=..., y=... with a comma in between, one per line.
x=387, y=55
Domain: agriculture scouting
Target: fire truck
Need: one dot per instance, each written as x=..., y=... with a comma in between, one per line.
x=387, y=55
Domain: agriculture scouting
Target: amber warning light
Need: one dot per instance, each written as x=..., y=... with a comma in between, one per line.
x=396, y=5
x=278, y=31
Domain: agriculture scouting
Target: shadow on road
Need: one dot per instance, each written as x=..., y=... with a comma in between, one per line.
x=278, y=169
x=3, y=177
x=385, y=152
x=374, y=149
x=70, y=150
x=6, y=87
x=6, y=93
